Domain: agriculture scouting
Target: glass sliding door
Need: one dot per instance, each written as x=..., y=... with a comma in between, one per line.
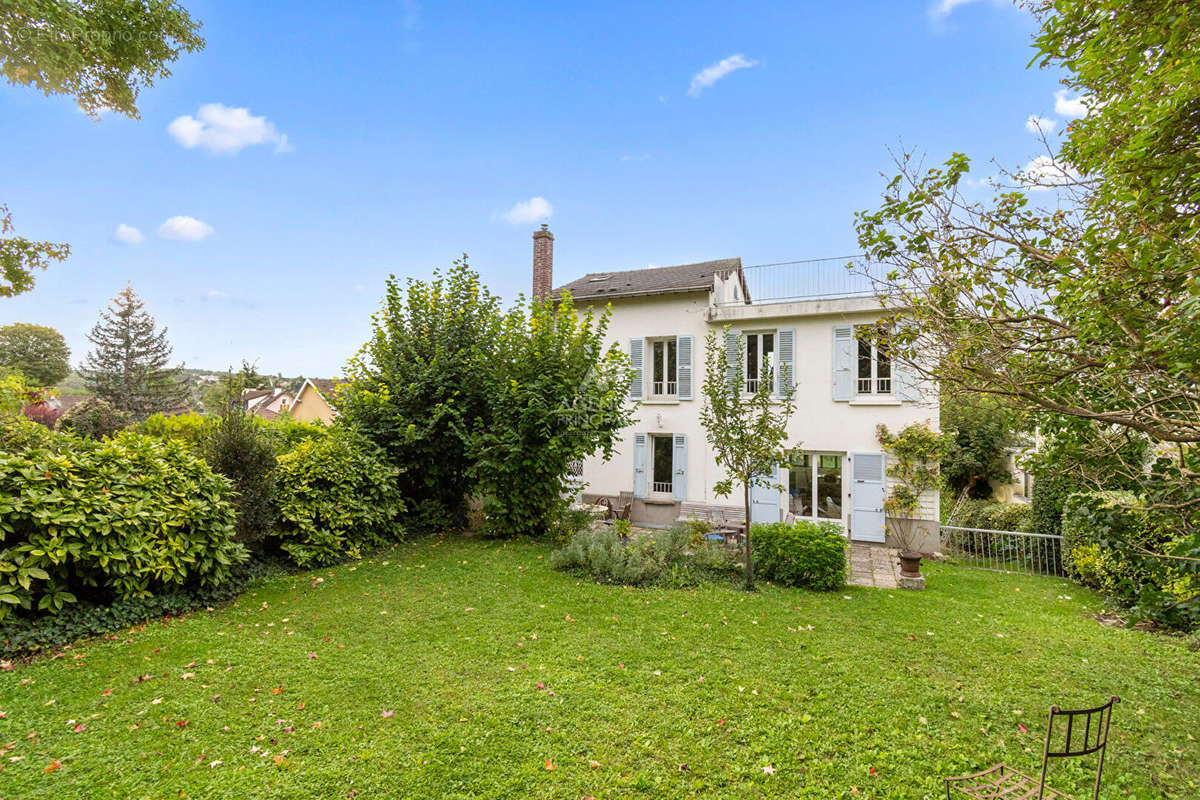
x=815, y=489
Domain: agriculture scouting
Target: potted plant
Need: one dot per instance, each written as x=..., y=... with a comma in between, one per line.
x=914, y=468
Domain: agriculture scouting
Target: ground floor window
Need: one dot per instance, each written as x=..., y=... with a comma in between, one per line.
x=815, y=485
x=661, y=476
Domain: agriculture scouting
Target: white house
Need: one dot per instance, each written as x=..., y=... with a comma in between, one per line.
x=799, y=315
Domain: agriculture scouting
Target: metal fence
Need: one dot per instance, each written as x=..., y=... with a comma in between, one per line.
x=812, y=280
x=1004, y=551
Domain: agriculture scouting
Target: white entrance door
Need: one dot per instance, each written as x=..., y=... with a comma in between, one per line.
x=867, y=490
x=764, y=504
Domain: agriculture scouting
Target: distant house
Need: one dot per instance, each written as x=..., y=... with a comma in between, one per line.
x=312, y=401
x=268, y=403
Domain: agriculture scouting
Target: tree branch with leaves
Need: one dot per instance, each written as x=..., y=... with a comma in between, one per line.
x=747, y=432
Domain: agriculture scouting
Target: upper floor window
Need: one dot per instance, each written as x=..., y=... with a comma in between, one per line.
x=760, y=355
x=663, y=378
x=874, y=368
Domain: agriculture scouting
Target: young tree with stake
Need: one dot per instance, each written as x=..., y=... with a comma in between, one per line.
x=747, y=431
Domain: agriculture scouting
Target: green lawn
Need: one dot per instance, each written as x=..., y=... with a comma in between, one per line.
x=467, y=669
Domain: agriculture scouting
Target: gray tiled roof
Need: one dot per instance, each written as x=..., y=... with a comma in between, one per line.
x=656, y=280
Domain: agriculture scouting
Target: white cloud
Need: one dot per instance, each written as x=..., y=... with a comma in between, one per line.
x=942, y=8
x=219, y=296
x=1044, y=173
x=127, y=234
x=1039, y=126
x=713, y=73
x=531, y=210
x=1074, y=108
x=188, y=229
x=223, y=130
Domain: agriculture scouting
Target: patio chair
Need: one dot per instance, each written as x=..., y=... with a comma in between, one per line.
x=624, y=506
x=1002, y=782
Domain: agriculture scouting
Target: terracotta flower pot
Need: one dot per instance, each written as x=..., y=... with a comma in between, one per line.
x=910, y=565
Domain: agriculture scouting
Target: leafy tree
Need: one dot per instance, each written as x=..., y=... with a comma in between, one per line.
x=979, y=432
x=1087, y=310
x=239, y=448
x=556, y=396
x=128, y=366
x=1088, y=307
x=19, y=257
x=230, y=387
x=38, y=352
x=421, y=382
x=103, y=53
x=747, y=433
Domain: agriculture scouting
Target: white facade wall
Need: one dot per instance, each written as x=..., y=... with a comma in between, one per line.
x=819, y=424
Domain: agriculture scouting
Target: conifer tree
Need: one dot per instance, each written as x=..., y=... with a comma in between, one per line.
x=128, y=366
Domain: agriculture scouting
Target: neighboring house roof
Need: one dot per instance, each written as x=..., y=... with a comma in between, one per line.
x=655, y=280
x=323, y=385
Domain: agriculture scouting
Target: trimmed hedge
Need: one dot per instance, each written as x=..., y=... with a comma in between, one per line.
x=335, y=496
x=802, y=553
x=101, y=520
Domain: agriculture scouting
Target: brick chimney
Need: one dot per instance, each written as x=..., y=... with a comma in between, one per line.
x=543, y=263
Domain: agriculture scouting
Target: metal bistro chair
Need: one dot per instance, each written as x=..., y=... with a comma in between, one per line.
x=1002, y=782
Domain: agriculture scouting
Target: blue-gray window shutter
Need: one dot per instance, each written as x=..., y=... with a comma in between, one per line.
x=639, y=465
x=785, y=357
x=734, y=357
x=636, y=347
x=683, y=366
x=679, y=468
x=843, y=363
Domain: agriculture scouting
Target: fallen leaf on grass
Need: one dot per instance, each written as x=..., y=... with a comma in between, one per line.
x=54, y=764
x=549, y=765
x=388, y=714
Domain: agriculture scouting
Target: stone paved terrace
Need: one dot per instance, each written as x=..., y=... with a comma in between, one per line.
x=875, y=565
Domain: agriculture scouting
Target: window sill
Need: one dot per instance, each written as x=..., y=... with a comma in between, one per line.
x=661, y=401
x=867, y=400
x=659, y=501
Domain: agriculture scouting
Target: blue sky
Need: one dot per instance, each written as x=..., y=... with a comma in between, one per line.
x=392, y=137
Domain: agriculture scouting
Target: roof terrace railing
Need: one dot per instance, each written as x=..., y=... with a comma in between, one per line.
x=812, y=279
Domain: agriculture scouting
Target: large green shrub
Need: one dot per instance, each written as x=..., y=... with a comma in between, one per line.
x=1110, y=540
x=802, y=553
x=193, y=429
x=239, y=449
x=557, y=394
x=94, y=418
x=284, y=433
x=994, y=515
x=335, y=496
x=97, y=520
x=1050, y=491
